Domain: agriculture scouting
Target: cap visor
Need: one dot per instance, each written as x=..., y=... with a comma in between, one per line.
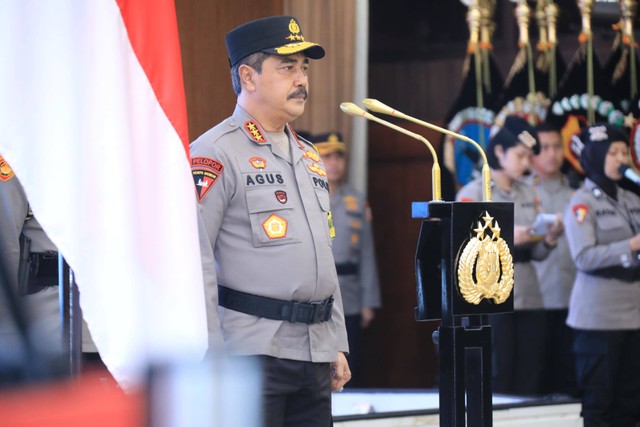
x=311, y=50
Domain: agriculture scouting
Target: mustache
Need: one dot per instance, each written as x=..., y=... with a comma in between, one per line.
x=300, y=92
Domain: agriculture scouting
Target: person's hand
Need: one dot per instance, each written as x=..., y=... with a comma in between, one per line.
x=634, y=242
x=366, y=314
x=554, y=231
x=521, y=234
x=340, y=373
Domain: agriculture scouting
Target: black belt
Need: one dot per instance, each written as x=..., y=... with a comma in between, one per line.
x=42, y=272
x=271, y=308
x=617, y=272
x=347, y=268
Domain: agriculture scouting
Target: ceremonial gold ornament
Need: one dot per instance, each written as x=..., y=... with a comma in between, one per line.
x=485, y=268
x=585, y=11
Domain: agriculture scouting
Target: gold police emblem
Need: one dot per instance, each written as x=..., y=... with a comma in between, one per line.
x=485, y=268
x=294, y=27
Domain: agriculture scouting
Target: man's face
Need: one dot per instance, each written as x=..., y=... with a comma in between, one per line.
x=283, y=86
x=549, y=160
x=335, y=164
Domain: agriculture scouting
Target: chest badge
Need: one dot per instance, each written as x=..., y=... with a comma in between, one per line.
x=258, y=162
x=485, y=269
x=281, y=196
x=275, y=227
x=6, y=173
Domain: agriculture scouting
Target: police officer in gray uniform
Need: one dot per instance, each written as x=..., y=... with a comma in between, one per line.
x=518, y=337
x=603, y=229
x=353, y=248
x=555, y=273
x=30, y=260
x=266, y=232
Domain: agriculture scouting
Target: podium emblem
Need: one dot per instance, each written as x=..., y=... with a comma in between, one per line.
x=485, y=268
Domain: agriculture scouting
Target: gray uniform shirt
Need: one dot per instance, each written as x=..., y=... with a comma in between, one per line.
x=264, y=230
x=555, y=273
x=598, y=229
x=526, y=291
x=42, y=307
x=354, y=245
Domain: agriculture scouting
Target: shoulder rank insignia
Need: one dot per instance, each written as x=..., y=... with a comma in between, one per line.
x=486, y=258
x=254, y=131
x=205, y=173
x=580, y=212
x=312, y=155
x=315, y=168
x=6, y=173
x=275, y=227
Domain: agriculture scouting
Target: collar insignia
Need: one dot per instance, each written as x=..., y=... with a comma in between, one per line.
x=312, y=155
x=6, y=173
x=254, y=131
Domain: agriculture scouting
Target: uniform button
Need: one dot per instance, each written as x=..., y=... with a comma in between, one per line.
x=232, y=122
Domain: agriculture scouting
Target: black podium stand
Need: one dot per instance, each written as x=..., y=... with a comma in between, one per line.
x=461, y=247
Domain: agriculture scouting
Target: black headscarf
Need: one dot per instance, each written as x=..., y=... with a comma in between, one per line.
x=515, y=130
x=596, y=141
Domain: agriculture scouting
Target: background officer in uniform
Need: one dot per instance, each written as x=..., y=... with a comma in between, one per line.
x=266, y=233
x=30, y=260
x=518, y=337
x=555, y=273
x=603, y=229
x=353, y=248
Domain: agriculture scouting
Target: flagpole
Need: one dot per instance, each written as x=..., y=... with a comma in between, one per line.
x=70, y=317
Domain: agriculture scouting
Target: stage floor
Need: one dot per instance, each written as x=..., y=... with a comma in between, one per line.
x=403, y=408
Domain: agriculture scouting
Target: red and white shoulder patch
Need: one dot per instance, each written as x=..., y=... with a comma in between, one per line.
x=206, y=172
x=6, y=173
x=580, y=212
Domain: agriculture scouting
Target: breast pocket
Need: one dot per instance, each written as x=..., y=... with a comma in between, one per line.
x=325, y=207
x=611, y=229
x=272, y=217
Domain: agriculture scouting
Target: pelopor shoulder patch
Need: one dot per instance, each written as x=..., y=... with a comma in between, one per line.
x=6, y=173
x=206, y=172
x=580, y=212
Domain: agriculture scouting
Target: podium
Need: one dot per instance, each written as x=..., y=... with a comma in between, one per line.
x=464, y=272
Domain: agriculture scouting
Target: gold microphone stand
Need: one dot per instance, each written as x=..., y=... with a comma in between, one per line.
x=464, y=269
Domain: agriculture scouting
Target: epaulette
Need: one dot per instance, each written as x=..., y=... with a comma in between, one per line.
x=214, y=134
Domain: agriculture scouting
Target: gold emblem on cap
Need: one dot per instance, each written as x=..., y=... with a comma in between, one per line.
x=487, y=258
x=333, y=138
x=294, y=29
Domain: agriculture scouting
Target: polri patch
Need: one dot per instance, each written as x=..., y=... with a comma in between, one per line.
x=254, y=131
x=206, y=172
x=281, y=196
x=580, y=212
x=6, y=173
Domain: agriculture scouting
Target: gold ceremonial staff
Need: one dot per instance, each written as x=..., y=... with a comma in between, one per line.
x=379, y=107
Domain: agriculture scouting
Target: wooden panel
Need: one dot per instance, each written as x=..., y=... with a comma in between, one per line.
x=399, y=351
x=203, y=25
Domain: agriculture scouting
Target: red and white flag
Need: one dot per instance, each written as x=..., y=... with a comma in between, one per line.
x=93, y=122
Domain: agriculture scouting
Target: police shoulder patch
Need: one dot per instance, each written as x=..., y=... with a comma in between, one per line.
x=6, y=173
x=206, y=172
x=580, y=212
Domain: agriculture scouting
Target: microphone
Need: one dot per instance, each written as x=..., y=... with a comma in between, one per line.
x=353, y=110
x=629, y=173
x=379, y=107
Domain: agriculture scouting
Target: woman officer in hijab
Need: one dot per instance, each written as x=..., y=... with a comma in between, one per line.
x=603, y=230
